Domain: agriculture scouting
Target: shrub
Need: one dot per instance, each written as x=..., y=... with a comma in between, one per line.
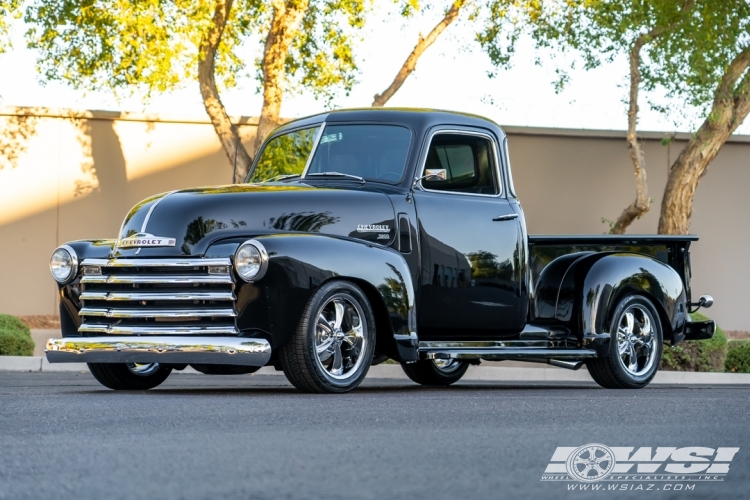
x=738, y=357
x=8, y=322
x=15, y=343
x=697, y=356
x=15, y=337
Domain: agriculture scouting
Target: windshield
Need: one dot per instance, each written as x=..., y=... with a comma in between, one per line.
x=285, y=155
x=372, y=152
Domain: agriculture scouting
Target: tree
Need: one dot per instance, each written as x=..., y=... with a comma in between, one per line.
x=695, y=50
x=709, y=68
x=600, y=31
x=8, y=10
x=156, y=45
x=451, y=14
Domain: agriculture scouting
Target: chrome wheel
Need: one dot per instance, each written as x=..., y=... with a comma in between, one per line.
x=340, y=336
x=449, y=365
x=143, y=369
x=636, y=347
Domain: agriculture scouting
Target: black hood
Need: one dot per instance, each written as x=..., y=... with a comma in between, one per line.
x=198, y=217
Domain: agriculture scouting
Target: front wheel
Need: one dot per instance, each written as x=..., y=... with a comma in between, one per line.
x=635, y=346
x=130, y=376
x=333, y=347
x=439, y=372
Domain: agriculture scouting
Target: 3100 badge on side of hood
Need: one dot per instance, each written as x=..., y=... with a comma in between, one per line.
x=146, y=240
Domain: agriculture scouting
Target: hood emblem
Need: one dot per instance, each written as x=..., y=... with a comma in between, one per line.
x=373, y=228
x=145, y=240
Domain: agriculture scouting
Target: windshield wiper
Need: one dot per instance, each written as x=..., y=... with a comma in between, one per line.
x=280, y=177
x=336, y=174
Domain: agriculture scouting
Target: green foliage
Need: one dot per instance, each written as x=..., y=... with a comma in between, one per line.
x=697, y=356
x=15, y=337
x=321, y=58
x=610, y=225
x=8, y=11
x=154, y=45
x=14, y=343
x=8, y=322
x=738, y=357
x=688, y=43
x=505, y=22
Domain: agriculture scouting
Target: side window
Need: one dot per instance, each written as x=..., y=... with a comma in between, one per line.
x=286, y=154
x=468, y=163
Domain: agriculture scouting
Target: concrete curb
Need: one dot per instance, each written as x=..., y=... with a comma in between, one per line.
x=475, y=373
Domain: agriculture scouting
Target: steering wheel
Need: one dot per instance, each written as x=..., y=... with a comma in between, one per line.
x=393, y=176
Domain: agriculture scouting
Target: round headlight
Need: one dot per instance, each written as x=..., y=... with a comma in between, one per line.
x=64, y=264
x=251, y=260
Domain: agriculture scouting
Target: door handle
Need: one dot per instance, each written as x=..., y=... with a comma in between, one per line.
x=505, y=217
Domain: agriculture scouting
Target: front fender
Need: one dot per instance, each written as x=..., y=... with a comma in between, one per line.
x=615, y=275
x=70, y=302
x=300, y=263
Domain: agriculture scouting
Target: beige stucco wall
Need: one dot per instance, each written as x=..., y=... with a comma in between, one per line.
x=76, y=179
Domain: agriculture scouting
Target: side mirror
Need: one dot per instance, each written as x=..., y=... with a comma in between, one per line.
x=432, y=174
x=706, y=301
x=436, y=174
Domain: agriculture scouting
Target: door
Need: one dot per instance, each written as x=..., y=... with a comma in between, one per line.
x=471, y=242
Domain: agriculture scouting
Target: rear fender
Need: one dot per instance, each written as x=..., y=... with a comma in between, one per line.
x=300, y=263
x=611, y=277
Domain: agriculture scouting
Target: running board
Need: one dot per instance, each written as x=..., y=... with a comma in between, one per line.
x=506, y=350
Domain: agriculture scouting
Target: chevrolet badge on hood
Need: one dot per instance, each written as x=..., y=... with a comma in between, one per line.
x=146, y=240
x=373, y=228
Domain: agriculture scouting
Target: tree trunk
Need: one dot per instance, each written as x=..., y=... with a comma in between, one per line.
x=640, y=206
x=411, y=62
x=287, y=16
x=641, y=203
x=730, y=107
x=225, y=130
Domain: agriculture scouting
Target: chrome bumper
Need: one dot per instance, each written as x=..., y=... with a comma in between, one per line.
x=178, y=350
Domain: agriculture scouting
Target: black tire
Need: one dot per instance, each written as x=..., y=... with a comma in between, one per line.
x=379, y=358
x=304, y=367
x=121, y=377
x=226, y=369
x=426, y=372
x=611, y=371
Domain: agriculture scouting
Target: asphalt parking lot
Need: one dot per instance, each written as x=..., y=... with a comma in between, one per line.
x=254, y=437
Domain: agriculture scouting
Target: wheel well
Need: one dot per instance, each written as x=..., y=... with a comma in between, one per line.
x=384, y=342
x=666, y=324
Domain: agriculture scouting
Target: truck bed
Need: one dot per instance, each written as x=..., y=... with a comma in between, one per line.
x=673, y=250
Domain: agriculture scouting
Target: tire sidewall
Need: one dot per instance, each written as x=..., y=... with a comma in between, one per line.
x=118, y=376
x=450, y=377
x=320, y=298
x=622, y=373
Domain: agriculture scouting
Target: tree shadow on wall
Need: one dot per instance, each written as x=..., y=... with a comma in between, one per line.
x=104, y=174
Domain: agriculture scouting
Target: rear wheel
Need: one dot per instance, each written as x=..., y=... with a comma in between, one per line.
x=130, y=376
x=440, y=372
x=334, y=344
x=635, y=346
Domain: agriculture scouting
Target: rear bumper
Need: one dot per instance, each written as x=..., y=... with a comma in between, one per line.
x=159, y=349
x=700, y=330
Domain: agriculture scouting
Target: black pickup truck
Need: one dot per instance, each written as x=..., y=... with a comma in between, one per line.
x=364, y=235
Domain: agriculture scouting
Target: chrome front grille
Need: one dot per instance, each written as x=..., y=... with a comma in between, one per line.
x=157, y=297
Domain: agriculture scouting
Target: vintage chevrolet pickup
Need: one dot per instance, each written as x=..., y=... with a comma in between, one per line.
x=364, y=235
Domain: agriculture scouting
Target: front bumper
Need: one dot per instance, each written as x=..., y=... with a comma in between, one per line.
x=159, y=349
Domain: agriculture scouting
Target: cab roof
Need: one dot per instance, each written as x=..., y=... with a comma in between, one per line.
x=417, y=118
